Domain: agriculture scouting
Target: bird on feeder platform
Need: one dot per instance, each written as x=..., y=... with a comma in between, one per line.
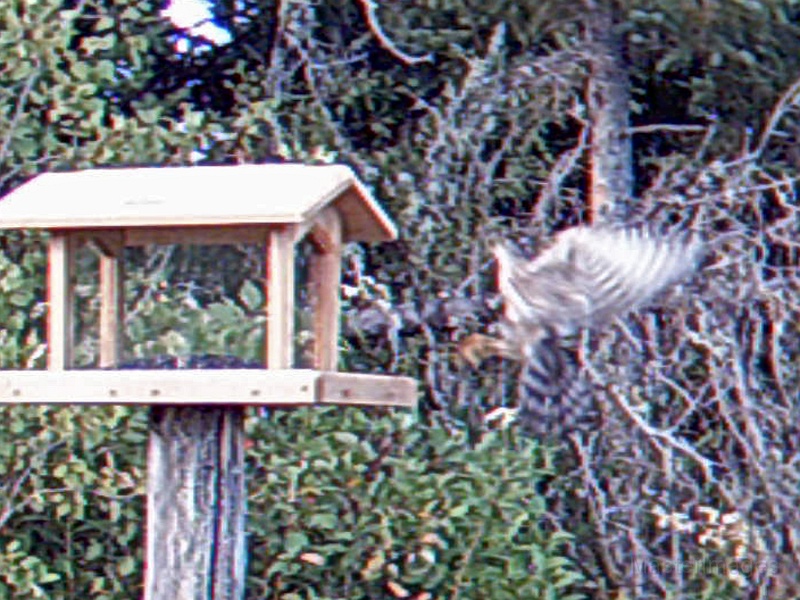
x=584, y=280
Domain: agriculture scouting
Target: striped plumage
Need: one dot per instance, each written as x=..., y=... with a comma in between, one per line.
x=586, y=278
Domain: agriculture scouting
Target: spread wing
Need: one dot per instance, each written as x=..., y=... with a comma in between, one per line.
x=589, y=276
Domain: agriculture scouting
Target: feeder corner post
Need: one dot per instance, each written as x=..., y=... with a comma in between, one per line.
x=325, y=281
x=61, y=249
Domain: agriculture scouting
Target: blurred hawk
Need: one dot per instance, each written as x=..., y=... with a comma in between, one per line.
x=585, y=279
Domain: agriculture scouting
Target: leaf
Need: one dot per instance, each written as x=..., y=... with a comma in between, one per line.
x=324, y=521
x=103, y=23
x=94, y=551
x=373, y=566
x=295, y=541
x=428, y=555
x=63, y=509
x=251, y=295
x=397, y=590
x=126, y=566
x=347, y=438
x=568, y=578
x=556, y=561
x=224, y=314
x=312, y=558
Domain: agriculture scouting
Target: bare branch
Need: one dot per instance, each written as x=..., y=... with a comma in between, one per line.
x=19, y=110
x=369, y=7
x=788, y=100
x=659, y=127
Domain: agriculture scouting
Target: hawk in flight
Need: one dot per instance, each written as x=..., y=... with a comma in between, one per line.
x=585, y=279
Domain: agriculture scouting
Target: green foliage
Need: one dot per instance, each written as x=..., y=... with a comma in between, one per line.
x=171, y=321
x=346, y=504
x=22, y=309
x=711, y=58
x=74, y=89
x=72, y=482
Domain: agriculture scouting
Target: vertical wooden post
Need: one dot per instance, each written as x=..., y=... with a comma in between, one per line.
x=195, y=504
x=325, y=280
x=112, y=297
x=280, y=298
x=60, y=300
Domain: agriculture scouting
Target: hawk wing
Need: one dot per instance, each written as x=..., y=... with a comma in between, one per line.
x=589, y=276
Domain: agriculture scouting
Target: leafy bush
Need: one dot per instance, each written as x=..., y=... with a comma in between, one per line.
x=22, y=308
x=72, y=512
x=348, y=504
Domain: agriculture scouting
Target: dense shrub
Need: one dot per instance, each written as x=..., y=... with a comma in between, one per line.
x=359, y=505
x=73, y=506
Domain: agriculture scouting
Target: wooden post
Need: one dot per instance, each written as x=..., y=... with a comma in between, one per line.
x=60, y=300
x=112, y=297
x=195, y=504
x=279, y=337
x=325, y=281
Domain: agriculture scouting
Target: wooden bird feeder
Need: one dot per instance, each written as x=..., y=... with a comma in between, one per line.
x=195, y=490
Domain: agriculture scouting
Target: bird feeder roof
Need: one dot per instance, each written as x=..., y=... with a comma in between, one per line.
x=269, y=194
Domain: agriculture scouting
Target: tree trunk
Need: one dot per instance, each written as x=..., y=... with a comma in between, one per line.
x=610, y=190
x=611, y=179
x=195, y=504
